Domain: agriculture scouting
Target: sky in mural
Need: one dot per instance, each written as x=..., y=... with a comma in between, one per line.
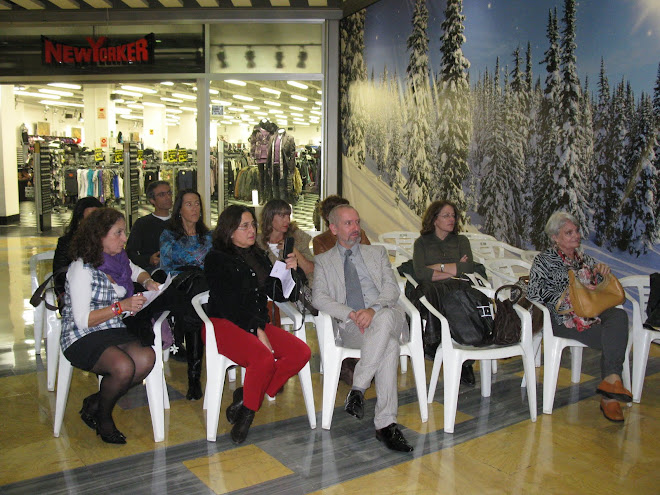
x=626, y=33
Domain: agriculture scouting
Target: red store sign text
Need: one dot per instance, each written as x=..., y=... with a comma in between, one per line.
x=140, y=51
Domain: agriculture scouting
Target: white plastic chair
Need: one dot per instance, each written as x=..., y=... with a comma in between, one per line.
x=477, y=235
x=333, y=355
x=529, y=255
x=156, y=387
x=483, y=249
x=39, y=311
x=399, y=253
x=552, y=349
x=452, y=355
x=403, y=239
x=217, y=364
x=641, y=337
x=53, y=332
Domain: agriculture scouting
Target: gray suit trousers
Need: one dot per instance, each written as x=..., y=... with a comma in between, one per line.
x=379, y=359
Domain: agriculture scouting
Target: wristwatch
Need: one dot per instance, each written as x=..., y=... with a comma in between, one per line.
x=442, y=267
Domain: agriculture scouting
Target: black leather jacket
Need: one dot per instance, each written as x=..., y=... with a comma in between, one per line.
x=234, y=291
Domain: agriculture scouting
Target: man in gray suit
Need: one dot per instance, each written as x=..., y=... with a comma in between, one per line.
x=356, y=286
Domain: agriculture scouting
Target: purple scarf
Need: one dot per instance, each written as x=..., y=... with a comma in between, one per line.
x=119, y=268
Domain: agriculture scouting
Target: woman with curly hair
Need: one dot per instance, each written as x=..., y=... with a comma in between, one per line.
x=98, y=291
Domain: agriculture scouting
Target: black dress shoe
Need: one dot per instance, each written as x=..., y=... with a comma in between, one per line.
x=393, y=438
x=244, y=419
x=116, y=437
x=467, y=374
x=235, y=406
x=85, y=412
x=354, y=404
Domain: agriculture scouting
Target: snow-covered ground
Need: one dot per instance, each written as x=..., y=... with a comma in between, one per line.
x=379, y=213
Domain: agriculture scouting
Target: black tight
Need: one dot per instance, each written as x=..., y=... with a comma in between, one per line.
x=122, y=367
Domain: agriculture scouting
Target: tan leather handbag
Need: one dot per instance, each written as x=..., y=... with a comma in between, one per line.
x=589, y=303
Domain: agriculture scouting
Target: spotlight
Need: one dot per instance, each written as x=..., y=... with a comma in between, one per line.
x=222, y=57
x=249, y=56
x=279, y=56
x=302, y=58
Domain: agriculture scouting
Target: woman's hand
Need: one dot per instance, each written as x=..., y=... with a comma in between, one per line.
x=463, y=259
x=133, y=304
x=151, y=284
x=603, y=269
x=261, y=335
x=291, y=261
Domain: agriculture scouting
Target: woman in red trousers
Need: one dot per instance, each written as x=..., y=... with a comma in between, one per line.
x=238, y=275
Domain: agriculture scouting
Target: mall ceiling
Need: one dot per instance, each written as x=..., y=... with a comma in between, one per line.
x=20, y=10
x=287, y=103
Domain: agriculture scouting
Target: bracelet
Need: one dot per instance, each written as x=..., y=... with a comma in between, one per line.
x=144, y=284
x=116, y=309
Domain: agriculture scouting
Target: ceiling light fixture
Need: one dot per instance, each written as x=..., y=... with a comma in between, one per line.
x=139, y=89
x=55, y=92
x=235, y=82
x=65, y=85
x=35, y=95
x=251, y=107
x=167, y=83
x=297, y=108
x=184, y=96
x=127, y=93
x=272, y=103
x=315, y=112
x=153, y=105
x=221, y=102
x=297, y=97
x=270, y=90
x=249, y=56
x=170, y=100
x=235, y=109
x=296, y=84
x=61, y=103
x=241, y=97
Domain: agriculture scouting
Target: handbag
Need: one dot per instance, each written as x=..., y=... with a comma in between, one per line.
x=589, y=303
x=39, y=295
x=507, y=326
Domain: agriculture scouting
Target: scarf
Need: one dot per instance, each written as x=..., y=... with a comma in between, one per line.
x=119, y=268
x=586, y=275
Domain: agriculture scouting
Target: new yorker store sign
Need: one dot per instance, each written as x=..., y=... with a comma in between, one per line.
x=98, y=51
x=38, y=54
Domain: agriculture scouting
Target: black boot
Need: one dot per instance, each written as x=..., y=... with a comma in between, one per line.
x=195, y=353
x=243, y=421
x=233, y=410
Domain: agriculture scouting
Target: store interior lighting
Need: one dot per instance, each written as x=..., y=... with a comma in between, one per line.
x=297, y=84
x=139, y=89
x=271, y=91
x=236, y=82
x=184, y=96
x=298, y=97
x=55, y=92
x=65, y=85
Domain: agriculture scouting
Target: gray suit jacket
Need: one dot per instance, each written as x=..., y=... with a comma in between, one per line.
x=329, y=290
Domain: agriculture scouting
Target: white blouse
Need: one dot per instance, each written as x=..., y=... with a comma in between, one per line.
x=80, y=290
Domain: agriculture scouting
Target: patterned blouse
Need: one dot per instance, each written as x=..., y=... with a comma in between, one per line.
x=186, y=251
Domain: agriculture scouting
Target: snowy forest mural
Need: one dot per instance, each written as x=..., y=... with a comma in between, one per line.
x=509, y=145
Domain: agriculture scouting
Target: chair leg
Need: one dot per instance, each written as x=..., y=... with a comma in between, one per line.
x=536, y=341
x=451, y=377
x=551, y=363
x=419, y=371
x=485, y=367
x=215, y=377
x=404, y=364
x=435, y=374
x=625, y=375
x=642, y=346
x=52, y=349
x=529, y=366
x=154, y=383
x=63, y=383
x=576, y=364
x=305, y=377
x=330, y=382
x=39, y=316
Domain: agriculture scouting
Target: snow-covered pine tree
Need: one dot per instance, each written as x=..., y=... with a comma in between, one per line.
x=616, y=152
x=497, y=203
x=656, y=120
x=586, y=145
x=417, y=98
x=569, y=189
x=532, y=156
x=454, y=128
x=395, y=151
x=602, y=172
x=546, y=176
x=352, y=69
x=637, y=225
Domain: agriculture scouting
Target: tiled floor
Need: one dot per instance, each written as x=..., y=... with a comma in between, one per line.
x=495, y=447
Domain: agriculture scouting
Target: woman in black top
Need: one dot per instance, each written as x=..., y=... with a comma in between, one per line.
x=238, y=276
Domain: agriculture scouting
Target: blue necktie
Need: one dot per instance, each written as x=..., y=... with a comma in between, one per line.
x=354, y=297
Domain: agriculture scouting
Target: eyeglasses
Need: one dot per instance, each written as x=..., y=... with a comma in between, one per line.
x=162, y=194
x=247, y=225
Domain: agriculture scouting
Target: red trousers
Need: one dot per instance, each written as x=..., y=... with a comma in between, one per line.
x=266, y=372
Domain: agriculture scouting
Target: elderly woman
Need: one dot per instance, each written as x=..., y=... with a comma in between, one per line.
x=238, y=275
x=99, y=289
x=61, y=259
x=548, y=283
x=276, y=225
x=439, y=254
x=183, y=247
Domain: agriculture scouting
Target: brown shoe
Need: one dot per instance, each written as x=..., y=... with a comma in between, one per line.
x=614, y=391
x=611, y=410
